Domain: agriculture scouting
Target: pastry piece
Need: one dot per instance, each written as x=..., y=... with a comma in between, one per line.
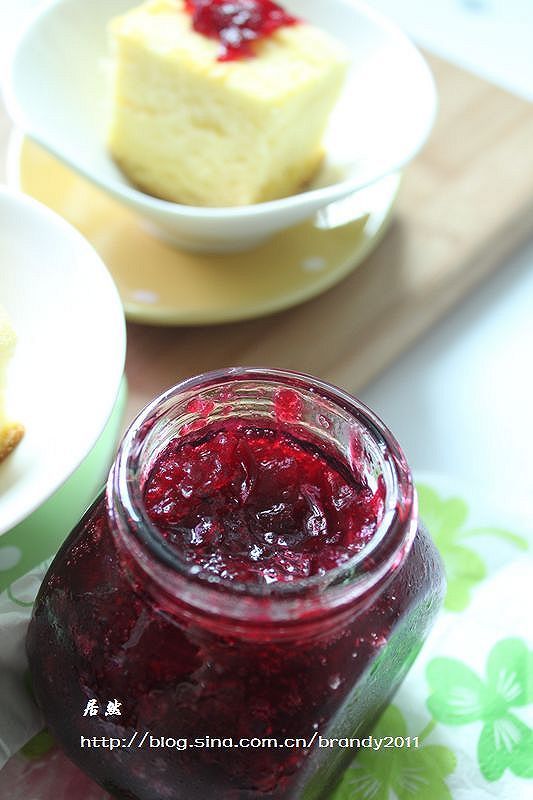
x=10, y=432
x=209, y=115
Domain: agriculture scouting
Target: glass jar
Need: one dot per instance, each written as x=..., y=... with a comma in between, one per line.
x=165, y=682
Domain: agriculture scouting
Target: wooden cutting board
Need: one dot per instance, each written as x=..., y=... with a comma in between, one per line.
x=466, y=203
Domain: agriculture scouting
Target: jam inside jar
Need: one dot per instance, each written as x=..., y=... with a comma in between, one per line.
x=254, y=578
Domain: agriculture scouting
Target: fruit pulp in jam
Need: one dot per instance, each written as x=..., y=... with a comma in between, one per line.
x=258, y=505
x=248, y=504
x=237, y=23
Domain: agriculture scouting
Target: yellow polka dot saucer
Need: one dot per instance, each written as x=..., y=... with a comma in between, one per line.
x=162, y=285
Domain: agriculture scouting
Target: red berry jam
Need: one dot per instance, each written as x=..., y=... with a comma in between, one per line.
x=251, y=504
x=236, y=24
x=254, y=578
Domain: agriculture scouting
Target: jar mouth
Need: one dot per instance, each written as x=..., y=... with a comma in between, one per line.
x=162, y=562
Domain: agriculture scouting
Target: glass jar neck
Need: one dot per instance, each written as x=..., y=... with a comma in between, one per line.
x=313, y=411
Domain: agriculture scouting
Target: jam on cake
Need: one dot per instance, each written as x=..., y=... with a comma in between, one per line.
x=221, y=104
x=10, y=432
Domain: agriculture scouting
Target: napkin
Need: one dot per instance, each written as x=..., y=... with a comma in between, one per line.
x=468, y=700
x=465, y=708
x=20, y=719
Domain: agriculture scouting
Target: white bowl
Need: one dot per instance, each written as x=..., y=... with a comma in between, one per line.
x=65, y=375
x=56, y=90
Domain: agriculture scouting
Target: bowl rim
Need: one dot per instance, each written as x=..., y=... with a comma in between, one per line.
x=312, y=198
x=18, y=511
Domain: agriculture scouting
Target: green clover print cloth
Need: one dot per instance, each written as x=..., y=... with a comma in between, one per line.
x=467, y=701
x=469, y=696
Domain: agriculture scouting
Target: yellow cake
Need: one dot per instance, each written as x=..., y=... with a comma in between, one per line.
x=10, y=432
x=192, y=129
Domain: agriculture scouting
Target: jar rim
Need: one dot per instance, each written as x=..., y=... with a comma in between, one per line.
x=161, y=562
